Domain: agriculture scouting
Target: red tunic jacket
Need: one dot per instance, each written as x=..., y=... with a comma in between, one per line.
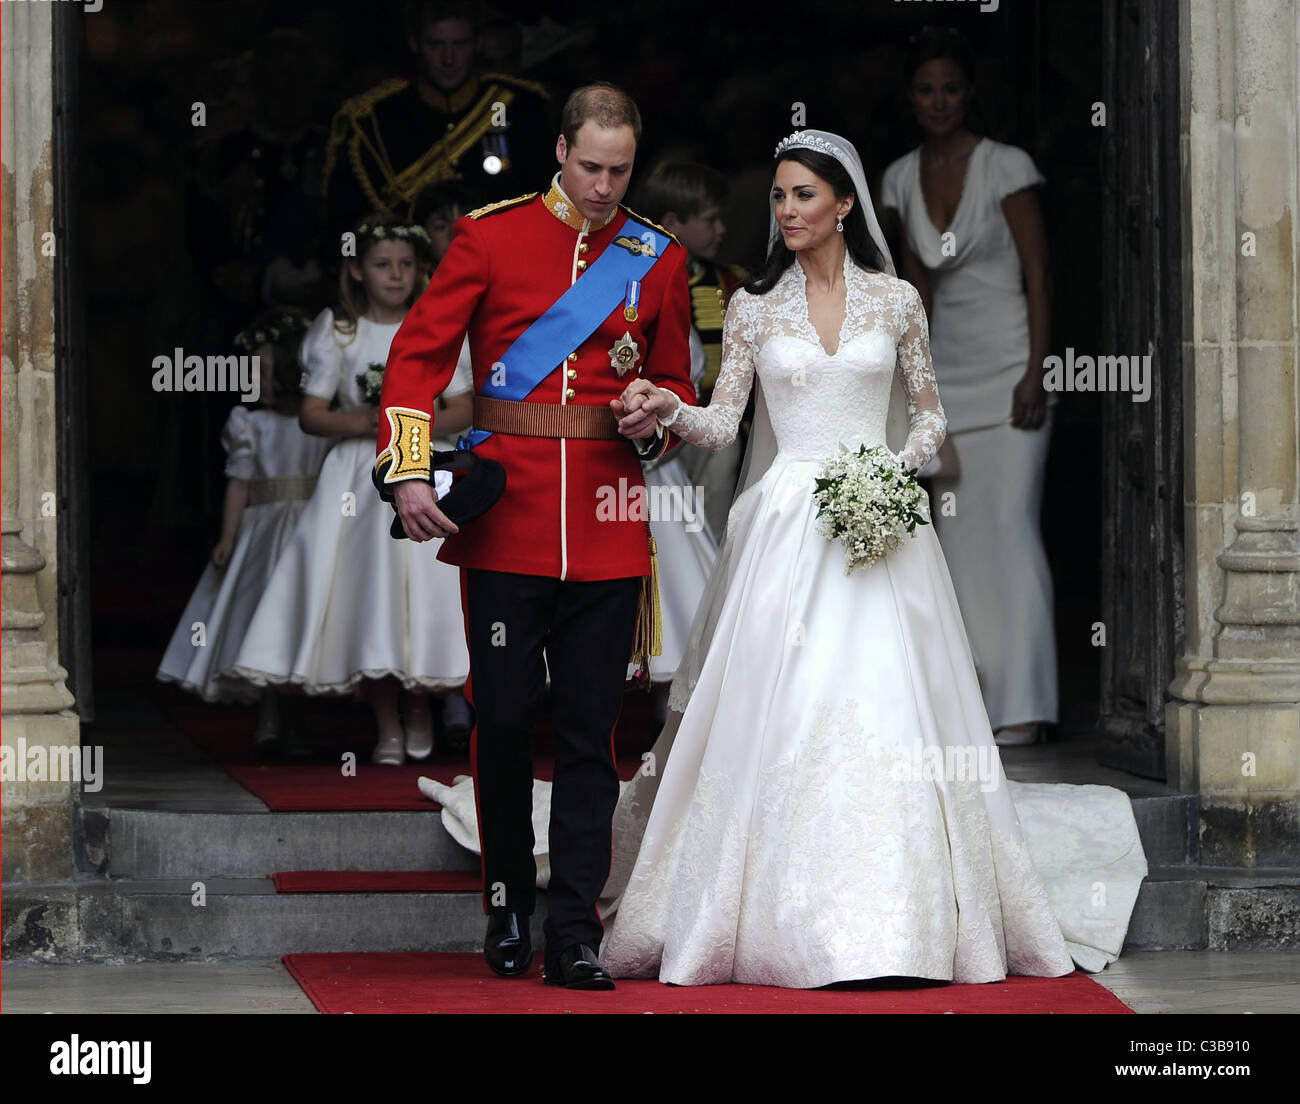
x=506, y=265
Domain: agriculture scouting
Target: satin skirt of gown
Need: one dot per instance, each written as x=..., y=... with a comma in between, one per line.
x=993, y=545
x=811, y=824
x=225, y=601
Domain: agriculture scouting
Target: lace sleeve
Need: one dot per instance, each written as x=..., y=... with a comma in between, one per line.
x=715, y=426
x=927, y=423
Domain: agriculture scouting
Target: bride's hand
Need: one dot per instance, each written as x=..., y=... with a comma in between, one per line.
x=640, y=406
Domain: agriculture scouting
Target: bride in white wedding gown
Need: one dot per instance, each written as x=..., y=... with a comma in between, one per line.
x=826, y=802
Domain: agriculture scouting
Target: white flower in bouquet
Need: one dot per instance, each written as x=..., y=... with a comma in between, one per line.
x=868, y=501
x=371, y=382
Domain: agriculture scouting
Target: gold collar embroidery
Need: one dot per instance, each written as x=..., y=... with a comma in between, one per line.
x=567, y=212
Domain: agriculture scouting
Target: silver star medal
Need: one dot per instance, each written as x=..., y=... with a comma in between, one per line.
x=624, y=354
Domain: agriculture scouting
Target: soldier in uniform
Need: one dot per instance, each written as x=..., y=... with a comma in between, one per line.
x=488, y=131
x=566, y=296
x=688, y=199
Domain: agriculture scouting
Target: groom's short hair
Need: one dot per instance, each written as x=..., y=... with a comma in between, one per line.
x=603, y=103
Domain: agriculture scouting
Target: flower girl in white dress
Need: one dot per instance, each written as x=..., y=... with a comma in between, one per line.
x=271, y=468
x=826, y=802
x=349, y=607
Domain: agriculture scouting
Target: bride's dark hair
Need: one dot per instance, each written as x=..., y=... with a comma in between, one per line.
x=857, y=238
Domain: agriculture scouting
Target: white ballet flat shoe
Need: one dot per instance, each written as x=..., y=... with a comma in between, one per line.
x=1006, y=737
x=417, y=728
x=389, y=752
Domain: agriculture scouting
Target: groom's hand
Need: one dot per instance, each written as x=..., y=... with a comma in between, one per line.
x=417, y=506
x=639, y=408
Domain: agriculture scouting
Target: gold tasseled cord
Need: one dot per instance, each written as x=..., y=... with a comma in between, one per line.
x=648, y=639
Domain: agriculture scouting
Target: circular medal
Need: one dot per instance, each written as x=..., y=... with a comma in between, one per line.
x=630, y=313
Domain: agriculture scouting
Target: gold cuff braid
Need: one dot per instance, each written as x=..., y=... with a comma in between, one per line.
x=409, y=444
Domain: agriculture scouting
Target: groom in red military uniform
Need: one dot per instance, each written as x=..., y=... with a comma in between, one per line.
x=565, y=296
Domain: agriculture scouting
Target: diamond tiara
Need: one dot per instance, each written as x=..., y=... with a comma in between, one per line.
x=802, y=139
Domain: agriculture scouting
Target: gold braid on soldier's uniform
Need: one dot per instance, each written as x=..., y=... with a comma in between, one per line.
x=649, y=222
x=347, y=118
x=501, y=205
x=401, y=187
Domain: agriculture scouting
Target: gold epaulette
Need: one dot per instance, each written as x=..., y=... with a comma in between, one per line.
x=649, y=222
x=502, y=204
x=519, y=82
x=360, y=104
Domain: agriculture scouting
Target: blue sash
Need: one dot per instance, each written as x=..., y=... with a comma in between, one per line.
x=571, y=319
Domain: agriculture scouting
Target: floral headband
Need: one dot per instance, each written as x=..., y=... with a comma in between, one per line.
x=407, y=232
x=280, y=327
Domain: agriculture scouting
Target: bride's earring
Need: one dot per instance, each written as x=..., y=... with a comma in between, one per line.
x=839, y=224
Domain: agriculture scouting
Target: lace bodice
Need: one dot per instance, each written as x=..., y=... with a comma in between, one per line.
x=818, y=401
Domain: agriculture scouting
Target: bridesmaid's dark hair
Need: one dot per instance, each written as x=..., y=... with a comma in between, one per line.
x=935, y=43
x=947, y=44
x=857, y=238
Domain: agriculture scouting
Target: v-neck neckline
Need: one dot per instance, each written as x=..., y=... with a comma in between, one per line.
x=807, y=312
x=961, y=198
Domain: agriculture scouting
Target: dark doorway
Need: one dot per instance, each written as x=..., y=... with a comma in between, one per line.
x=714, y=86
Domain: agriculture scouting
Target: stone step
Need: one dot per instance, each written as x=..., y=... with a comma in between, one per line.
x=150, y=843
x=144, y=844
x=1185, y=908
x=1216, y=908
x=240, y=918
x=1167, y=826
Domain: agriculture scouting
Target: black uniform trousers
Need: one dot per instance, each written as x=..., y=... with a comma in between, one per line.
x=585, y=630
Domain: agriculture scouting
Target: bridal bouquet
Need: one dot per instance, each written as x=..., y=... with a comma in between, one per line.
x=371, y=382
x=867, y=500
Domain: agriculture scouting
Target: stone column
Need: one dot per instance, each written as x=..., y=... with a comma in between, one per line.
x=40, y=734
x=1234, y=724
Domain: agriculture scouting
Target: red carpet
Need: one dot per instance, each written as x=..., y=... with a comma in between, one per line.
x=461, y=983
x=339, y=726
x=290, y=788
x=378, y=881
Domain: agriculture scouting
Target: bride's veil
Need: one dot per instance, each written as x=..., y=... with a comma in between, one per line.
x=761, y=448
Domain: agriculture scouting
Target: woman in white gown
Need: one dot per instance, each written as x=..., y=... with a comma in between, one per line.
x=798, y=833
x=973, y=245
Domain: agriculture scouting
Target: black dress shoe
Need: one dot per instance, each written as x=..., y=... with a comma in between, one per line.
x=508, y=945
x=579, y=968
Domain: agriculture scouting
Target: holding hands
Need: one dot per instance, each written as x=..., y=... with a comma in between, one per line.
x=640, y=407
